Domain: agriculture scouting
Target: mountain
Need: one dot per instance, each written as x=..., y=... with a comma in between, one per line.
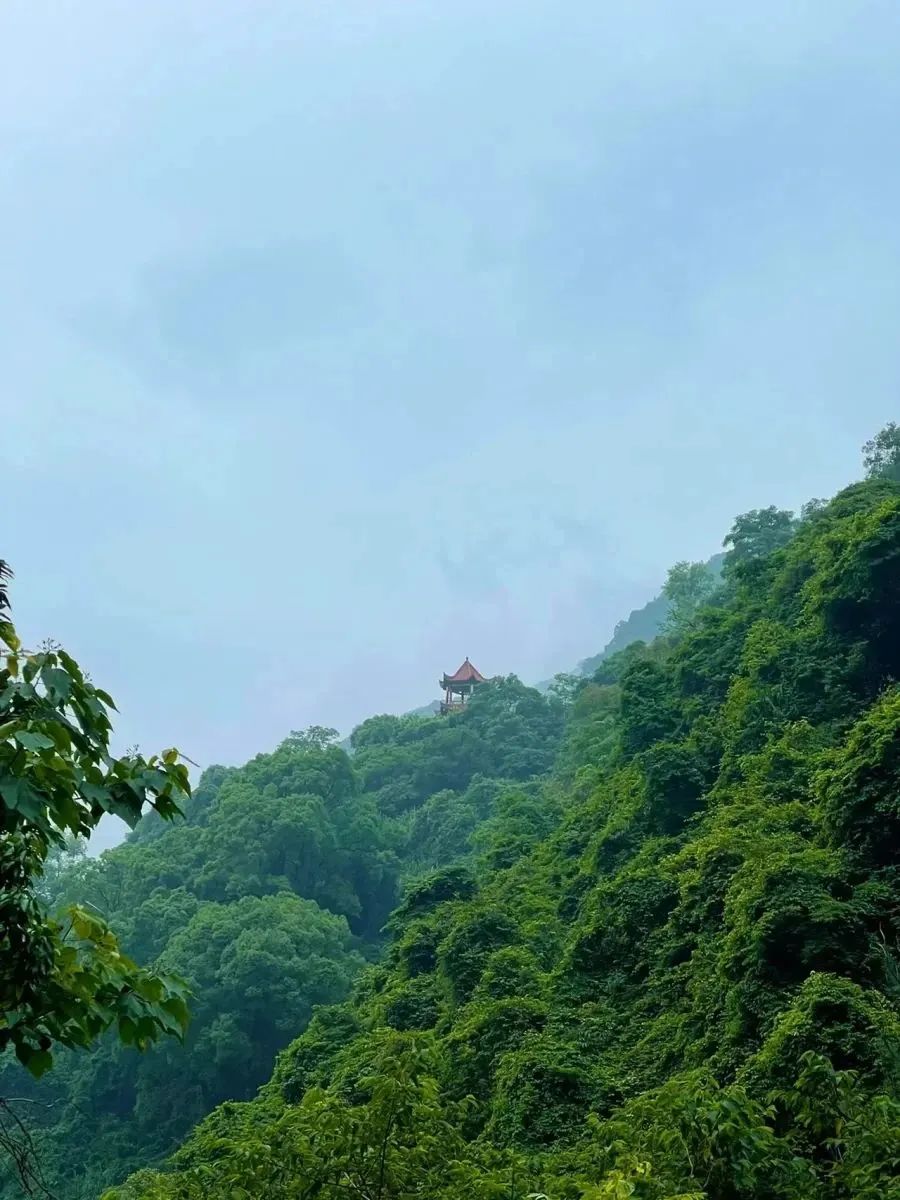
x=637, y=936
x=667, y=965
x=643, y=624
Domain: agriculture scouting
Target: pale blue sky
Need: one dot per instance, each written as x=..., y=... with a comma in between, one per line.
x=341, y=340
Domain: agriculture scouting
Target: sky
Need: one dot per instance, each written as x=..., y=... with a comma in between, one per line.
x=339, y=341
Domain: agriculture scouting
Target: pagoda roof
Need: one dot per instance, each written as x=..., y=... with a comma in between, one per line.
x=465, y=674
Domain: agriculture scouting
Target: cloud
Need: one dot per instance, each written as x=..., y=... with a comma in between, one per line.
x=233, y=316
x=454, y=325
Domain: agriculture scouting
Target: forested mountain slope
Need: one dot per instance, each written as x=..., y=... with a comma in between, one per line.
x=645, y=623
x=268, y=898
x=672, y=971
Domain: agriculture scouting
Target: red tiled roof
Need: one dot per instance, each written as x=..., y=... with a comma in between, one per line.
x=466, y=674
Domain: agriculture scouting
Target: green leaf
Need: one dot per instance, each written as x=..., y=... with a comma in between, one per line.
x=57, y=682
x=123, y=806
x=71, y=666
x=32, y=740
x=39, y=1062
x=95, y=793
x=127, y=1031
x=19, y=795
x=85, y=925
x=61, y=736
x=9, y=636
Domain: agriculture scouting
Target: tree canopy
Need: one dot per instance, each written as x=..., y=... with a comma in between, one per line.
x=266, y=899
x=881, y=454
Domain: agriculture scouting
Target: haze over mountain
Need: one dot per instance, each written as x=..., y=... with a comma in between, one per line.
x=341, y=341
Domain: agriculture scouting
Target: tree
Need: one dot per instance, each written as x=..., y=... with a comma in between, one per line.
x=756, y=534
x=257, y=968
x=858, y=785
x=61, y=859
x=316, y=737
x=881, y=454
x=63, y=980
x=688, y=585
x=812, y=508
x=403, y=1140
x=565, y=686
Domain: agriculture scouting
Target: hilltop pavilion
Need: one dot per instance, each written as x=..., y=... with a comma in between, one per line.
x=458, y=687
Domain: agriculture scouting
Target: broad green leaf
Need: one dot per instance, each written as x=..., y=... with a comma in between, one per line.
x=32, y=740
x=18, y=794
x=94, y=792
x=71, y=666
x=57, y=682
x=124, y=806
x=9, y=636
x=39, y=1062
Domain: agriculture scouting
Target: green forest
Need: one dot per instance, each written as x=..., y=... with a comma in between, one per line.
x=634, y=934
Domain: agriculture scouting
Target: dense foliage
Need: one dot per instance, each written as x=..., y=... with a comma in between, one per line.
x=267, y=899
x=668, y=971
x=63, y=978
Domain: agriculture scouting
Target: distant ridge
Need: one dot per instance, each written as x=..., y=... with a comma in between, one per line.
x=641, y=625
